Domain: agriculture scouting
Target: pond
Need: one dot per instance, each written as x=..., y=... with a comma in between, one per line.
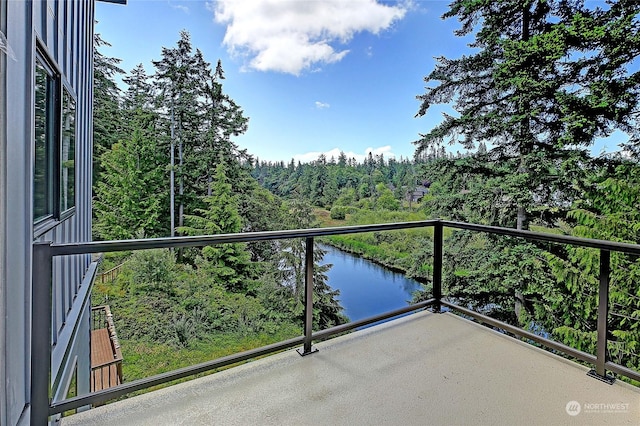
x=366, y=289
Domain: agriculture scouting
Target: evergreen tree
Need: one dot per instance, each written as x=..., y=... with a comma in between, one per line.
x=228, y=263
x=610, y=210
x=327, y=311
x=140, y=92
x=130, y=194
x=222, y=119
x=543, y=84
x=202, y=119
x=106, y=109
x=179, y=93
x=548, y=78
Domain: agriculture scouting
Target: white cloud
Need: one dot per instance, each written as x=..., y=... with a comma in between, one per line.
x=292, y=36
x=335, y=152
x=322, y=105
x=182, y=8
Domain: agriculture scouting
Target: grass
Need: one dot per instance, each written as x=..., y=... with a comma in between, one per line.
x=142, y=359
x=324, y=218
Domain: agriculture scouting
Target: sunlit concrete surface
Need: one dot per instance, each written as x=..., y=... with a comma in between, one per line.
x=424, y=369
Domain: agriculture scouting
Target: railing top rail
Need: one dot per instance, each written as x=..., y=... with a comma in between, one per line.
x=196, y=241
x=553, y=238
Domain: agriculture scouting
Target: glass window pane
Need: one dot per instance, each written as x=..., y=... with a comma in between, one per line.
x=44, y=137
x=67, y=152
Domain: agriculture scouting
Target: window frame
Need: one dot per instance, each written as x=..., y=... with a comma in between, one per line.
x=69, y=211
x=52, y=126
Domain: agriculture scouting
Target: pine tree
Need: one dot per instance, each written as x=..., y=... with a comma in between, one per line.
x=326, y=308
x=222, y=119
x=227, y=263
x=106, y=109
x=129, y=196
x=202, y=119
x=179, y=86
x=548, y=78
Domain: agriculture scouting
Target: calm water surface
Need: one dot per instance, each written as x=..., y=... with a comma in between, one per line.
x=366, y=289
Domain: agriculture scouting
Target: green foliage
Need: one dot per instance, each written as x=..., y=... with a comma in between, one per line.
x=409, y=251
x=131, y=196
x=541, y=85
x=385, y=198
x=157, y=300
x=342, y=183
x=142, y=359
x=152, y=271
x=609, y=210
x=221, y=215
x=338, y=212
x=327, y=311
x=106, y=112
x=545, y=80
x=347, y=197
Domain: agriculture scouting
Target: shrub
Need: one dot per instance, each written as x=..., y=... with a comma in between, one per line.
x=338, y=212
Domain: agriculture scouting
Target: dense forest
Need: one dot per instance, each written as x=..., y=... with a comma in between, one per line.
x=165, y=163
x=543, y=81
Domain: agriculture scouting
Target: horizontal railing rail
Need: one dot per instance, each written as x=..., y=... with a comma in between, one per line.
x=42, y=407
x=551, y=238
x=199, y=241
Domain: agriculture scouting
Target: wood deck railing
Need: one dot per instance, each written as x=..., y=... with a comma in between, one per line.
x=110, y=275
x=106, y=356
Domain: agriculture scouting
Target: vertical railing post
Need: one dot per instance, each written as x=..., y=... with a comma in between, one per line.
x=603, y=316
x=308, y=299
x=437, y=266
x=40, y=333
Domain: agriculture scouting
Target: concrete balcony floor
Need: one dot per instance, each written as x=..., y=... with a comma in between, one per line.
x=422, y=369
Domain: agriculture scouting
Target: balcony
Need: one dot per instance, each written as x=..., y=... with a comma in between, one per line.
x=428, y=367
x=421, y=369
x=106, y=356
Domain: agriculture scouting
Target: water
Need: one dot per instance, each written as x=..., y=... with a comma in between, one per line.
x=366, y=289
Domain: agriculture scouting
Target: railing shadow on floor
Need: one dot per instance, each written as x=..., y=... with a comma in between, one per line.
x=43, y=407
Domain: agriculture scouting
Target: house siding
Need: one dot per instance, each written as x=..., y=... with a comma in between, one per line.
x=64, y=32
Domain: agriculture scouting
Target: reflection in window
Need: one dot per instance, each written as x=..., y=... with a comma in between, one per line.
x=54, y=170
x=67, y=152
x=45, y=136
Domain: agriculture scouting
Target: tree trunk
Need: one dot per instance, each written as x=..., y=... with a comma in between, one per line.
x=181, y=189
x=172, y=207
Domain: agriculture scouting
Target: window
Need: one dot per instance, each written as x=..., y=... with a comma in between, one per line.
x=68, y=153
x=45, y=137
x=54, y=146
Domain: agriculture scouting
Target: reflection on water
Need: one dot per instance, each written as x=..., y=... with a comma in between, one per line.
x=366, y=289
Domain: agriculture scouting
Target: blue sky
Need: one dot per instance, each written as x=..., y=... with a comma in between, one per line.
x=313, y=76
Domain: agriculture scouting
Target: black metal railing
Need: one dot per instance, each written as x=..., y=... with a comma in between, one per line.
x=43, y=407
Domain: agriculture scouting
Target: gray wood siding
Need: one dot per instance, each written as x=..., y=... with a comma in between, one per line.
x=65, y=31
